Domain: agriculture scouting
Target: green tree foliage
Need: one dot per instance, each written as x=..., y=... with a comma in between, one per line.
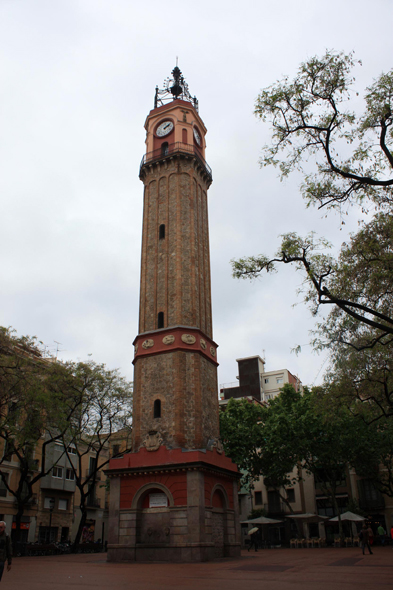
x=310, y=123
x=42, y=401
x=296, y=433
x=32, y=404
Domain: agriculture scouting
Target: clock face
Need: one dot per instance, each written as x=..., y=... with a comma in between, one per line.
x=197, y=136
x=164, y=128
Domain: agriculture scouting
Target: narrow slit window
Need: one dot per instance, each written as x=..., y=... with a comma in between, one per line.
x=165, y=148
x=160, y=320
x=161, y=231
x=157, y=408
x=184, y=136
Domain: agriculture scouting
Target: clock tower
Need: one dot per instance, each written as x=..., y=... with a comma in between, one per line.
x=175, y=496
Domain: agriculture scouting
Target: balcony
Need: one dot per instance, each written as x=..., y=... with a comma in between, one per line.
x=178, y=148
x=93, y=503
x=99, y=474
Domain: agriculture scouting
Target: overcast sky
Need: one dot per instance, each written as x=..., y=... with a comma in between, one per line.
x=77, y=82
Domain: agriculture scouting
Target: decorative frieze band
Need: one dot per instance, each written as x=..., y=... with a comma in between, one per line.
x=176, y=338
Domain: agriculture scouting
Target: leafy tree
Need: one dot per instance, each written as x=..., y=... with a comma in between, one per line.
x=43, y=401
x=311, y=124
x=295, y=431
x=333, y=440
x=105, y=407
x=362, y=376
x=32, y=404
x=240, y=429
x=262, y=441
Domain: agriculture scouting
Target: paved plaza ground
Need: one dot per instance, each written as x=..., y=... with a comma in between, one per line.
x=271, y=569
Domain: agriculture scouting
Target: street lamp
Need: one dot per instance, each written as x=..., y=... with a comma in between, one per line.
x=51, y=507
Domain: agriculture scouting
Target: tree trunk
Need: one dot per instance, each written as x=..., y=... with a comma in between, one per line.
x=82, y=523
x=299, y=525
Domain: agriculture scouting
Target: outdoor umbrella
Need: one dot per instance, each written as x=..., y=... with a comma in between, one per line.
x=308, y=516
x=253, y=530
x=349, y=516
x=261, y=520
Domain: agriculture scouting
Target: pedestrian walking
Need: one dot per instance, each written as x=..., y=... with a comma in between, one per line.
x=253, y=541
x=364, y=539
x=5, y=549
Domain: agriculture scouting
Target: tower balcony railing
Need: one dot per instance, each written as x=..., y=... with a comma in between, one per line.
x=175, y=148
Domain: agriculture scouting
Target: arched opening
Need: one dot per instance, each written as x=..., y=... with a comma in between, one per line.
x=161, y=231
x=218, y=500
x=157, y=408
x=164, y=148
x=219, y=503
x=148, y=501
x=184, y=136
x=160, y=320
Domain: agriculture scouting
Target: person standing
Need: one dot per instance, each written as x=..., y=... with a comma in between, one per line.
x=5, y=549
x=381, y=532
x=364, y=539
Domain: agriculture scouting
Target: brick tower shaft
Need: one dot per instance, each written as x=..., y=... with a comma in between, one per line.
x=175, y=378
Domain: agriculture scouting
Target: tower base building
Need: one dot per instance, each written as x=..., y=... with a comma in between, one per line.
x=174, y=498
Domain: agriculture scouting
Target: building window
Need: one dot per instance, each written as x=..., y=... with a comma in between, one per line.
x=70, y=475
x=164, y=148
x=157, y=408
x=49, y=503
x=291, y=495
x=63, y=504
x=3, y=489
x=71, y=450
x=160, y=320
x=184, y=136
x=161, y=231
x=280, y=380
x=115, y=450
x=258, y=498
x=57, y=472
x=266, y=379
x=8, y=450
x=92, y=465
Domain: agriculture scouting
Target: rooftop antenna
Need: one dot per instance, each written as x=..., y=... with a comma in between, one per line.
x=57, y=347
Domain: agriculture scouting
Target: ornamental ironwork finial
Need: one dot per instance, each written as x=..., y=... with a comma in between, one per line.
x=174, y=88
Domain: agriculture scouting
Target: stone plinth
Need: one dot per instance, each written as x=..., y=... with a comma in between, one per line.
x=200, y=521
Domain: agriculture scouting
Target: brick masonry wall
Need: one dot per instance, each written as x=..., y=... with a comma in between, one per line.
x=186, y=385
x=175, y=271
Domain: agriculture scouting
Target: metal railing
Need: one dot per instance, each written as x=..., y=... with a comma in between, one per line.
x=170, y=150
x=98, y=476
x=93, y=503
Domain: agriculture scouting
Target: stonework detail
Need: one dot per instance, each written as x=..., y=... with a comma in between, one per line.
x=217, y=444
x=188, y=339
x=212, y=351
x=168, y=339
x=153, y=441
x=147, y=343
x=136, y=348
x=203, y=343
